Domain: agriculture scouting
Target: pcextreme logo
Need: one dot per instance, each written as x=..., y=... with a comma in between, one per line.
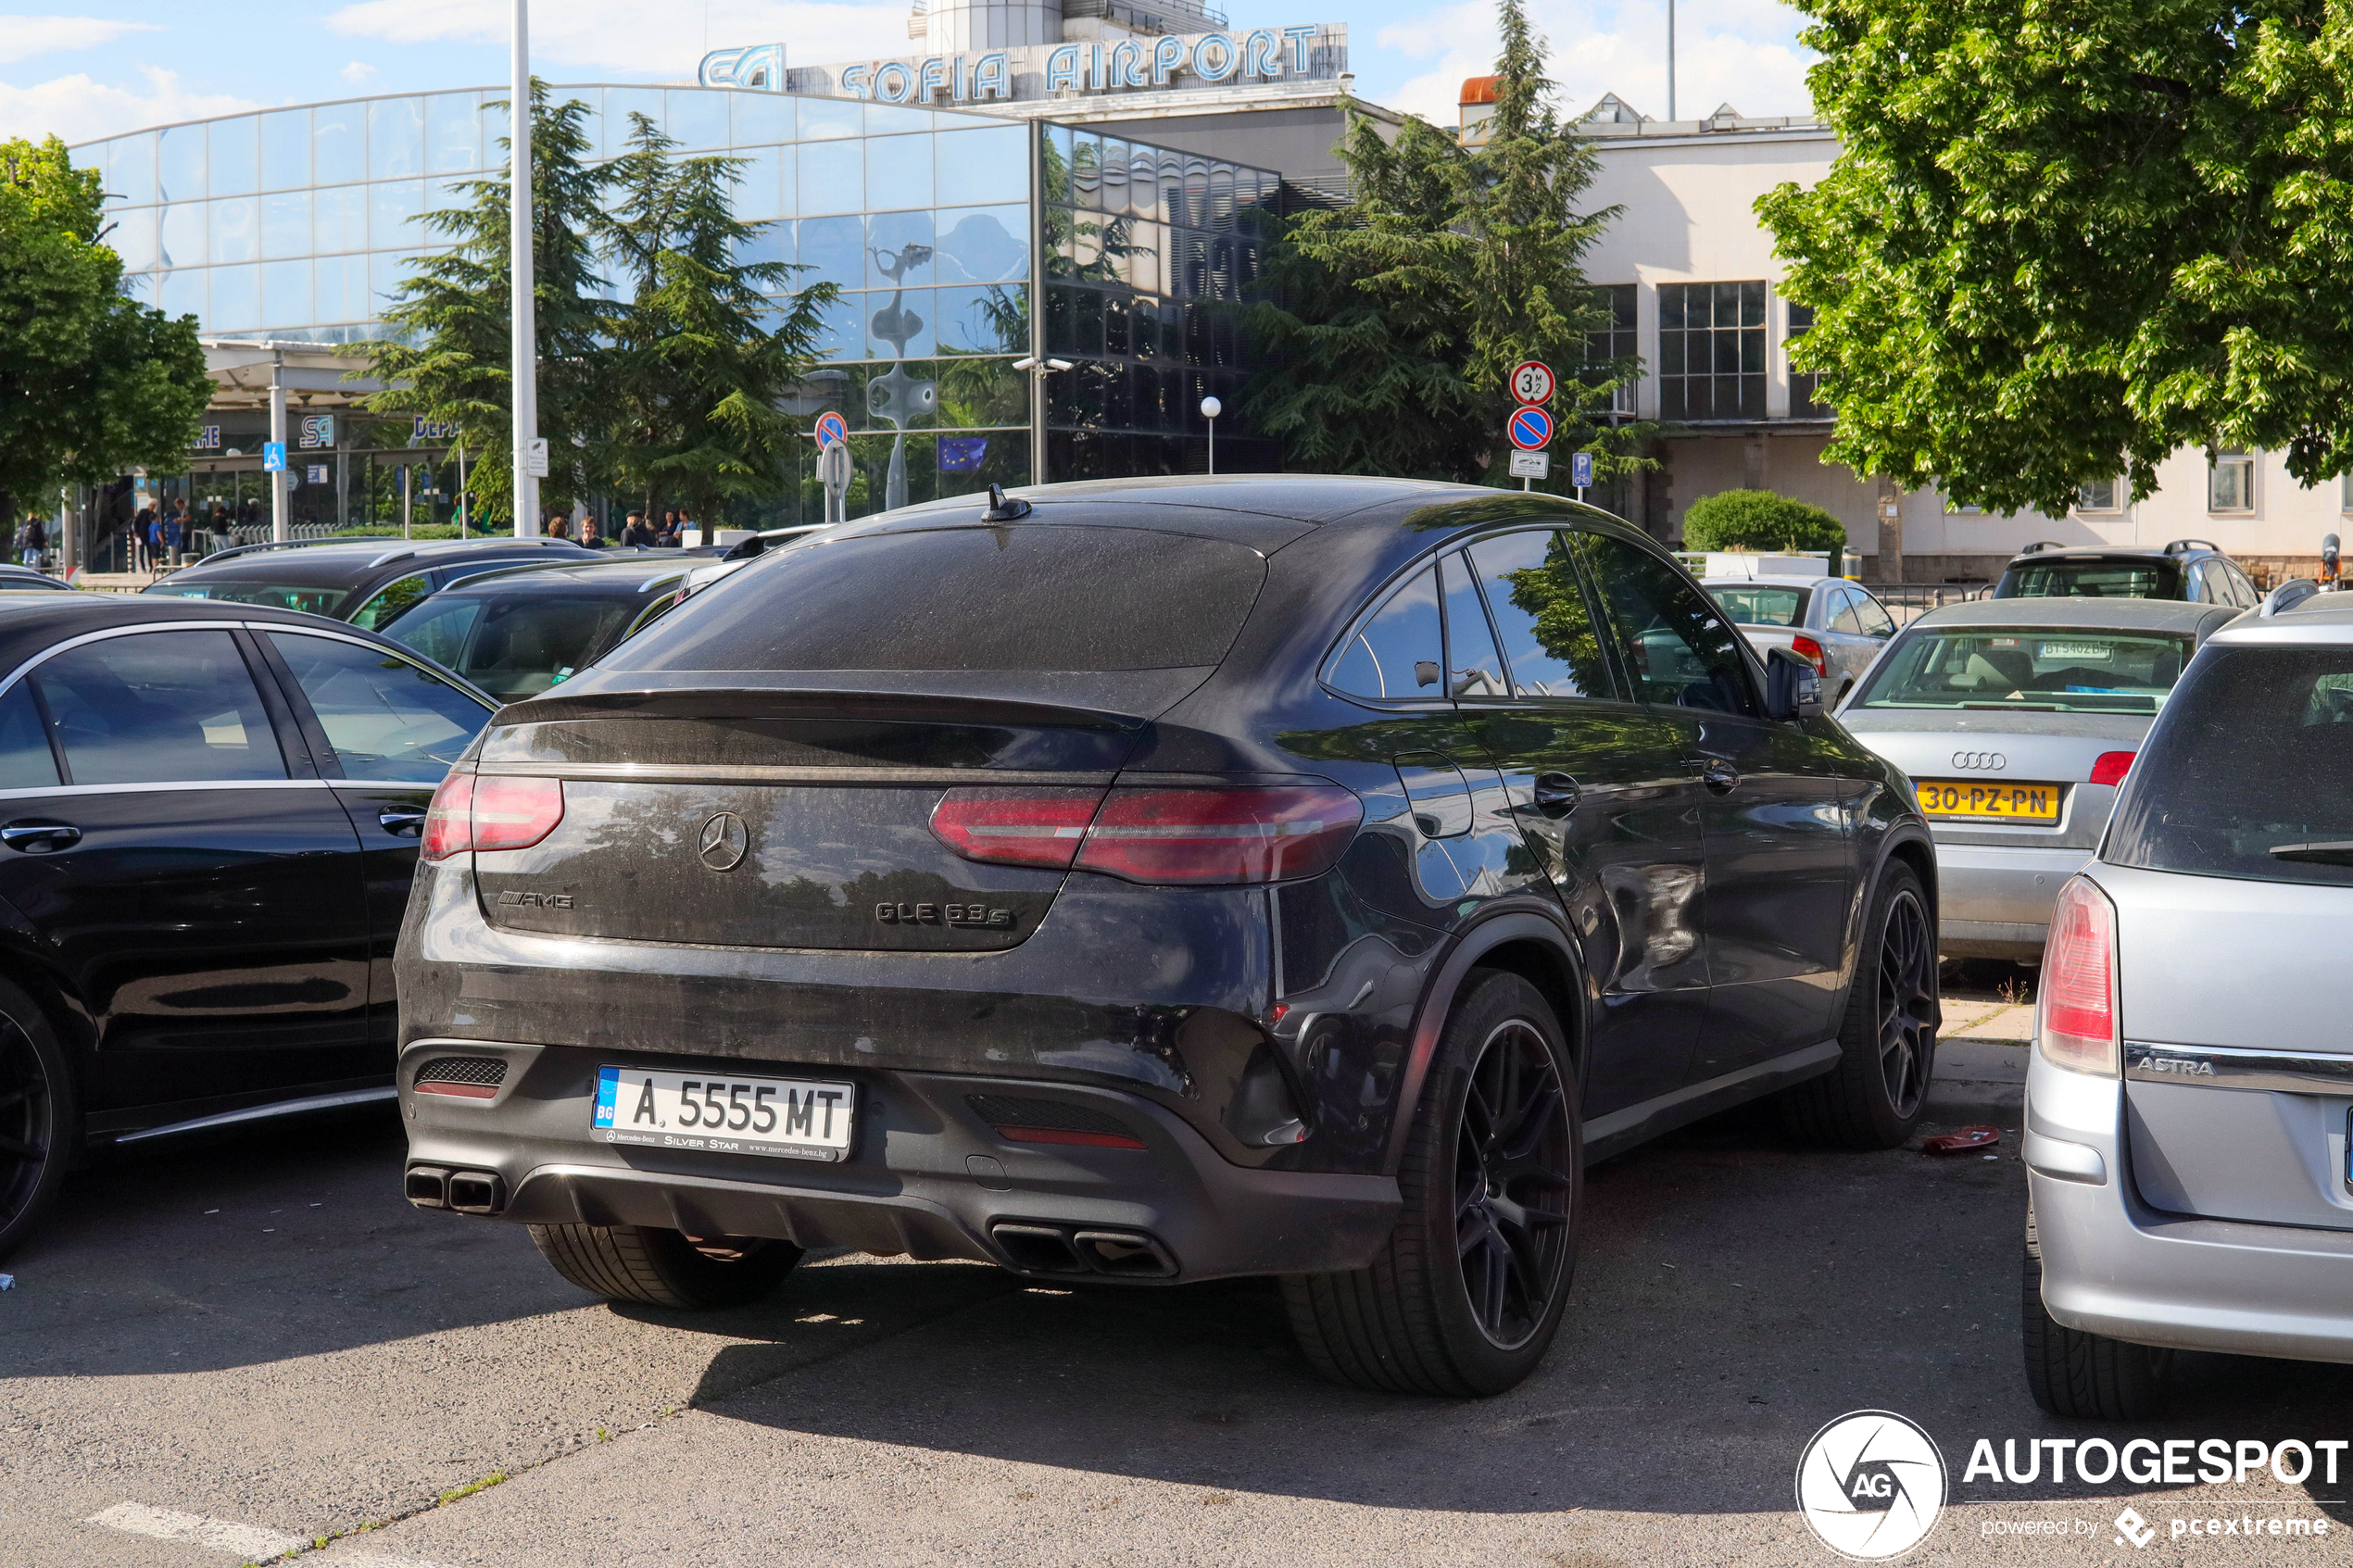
x=1871, y=1485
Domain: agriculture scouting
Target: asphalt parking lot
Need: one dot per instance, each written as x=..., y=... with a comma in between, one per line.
x=227, y=1354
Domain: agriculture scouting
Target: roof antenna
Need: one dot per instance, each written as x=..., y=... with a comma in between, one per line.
x=1001, y=507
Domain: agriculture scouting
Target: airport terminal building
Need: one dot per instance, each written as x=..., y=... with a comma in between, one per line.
x=1089, y=189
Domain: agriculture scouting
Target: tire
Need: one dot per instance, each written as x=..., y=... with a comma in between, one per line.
x=1467, y=1294
x=2083, y=1377
x=39, y=1116
x=1874, y=1096
x=664, y=1268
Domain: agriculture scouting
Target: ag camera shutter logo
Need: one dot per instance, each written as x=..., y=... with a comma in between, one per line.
x=1871, y=1485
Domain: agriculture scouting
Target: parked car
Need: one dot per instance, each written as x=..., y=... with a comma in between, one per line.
x=1160, y=879
x=366, y=581
x=1835, y=625
x=207, y=825
x=2186, y=1103
x=518, y=630
x=13, y=576
x=2015, y=721
x=2186, y=569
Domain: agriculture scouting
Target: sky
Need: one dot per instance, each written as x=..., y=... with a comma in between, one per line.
x=109, y=66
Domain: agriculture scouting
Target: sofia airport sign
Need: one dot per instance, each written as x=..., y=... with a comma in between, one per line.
x=1171, y=62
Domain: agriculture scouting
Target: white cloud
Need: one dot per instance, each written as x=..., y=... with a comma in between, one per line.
x=356, y=72
x=1741, y=52
x=80, y=109
x=640, y=39
x=24, y=37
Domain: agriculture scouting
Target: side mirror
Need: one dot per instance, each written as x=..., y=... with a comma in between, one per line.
x=1792, y=689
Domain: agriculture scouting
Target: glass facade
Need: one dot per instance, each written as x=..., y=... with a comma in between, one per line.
x=300, y=224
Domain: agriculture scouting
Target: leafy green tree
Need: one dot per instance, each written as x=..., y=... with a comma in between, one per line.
x=448, y=353
x=701, y=355
x=1759, y=520
x=91, y=382
x=2064, y=241
x=1394, y=323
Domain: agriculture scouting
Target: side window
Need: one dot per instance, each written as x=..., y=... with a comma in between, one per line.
x=2249, y=598
x=1843, y=617
x=391, y=602
x=1875, y=620
x=1399, y=652
x=1473, y=668
x=387, y=718
x=438, y=631
x=159, y=707
x=1682, y=650
x=26, y=762
x=1548, y=632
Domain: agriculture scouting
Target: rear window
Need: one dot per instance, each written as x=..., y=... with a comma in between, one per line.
x=308, y=598
x=2249, y=773
x=2063, y=671
x=1760, y=606
x=2092, y=580
x=1032, y=597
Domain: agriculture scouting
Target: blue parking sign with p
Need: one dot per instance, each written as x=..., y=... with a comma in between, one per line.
x=1580, y=469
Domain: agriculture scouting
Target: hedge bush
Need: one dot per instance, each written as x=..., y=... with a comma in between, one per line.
x=1758, y=519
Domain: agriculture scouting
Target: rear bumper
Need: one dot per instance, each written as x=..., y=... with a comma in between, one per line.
x=2115, y=1267
x=926, y=1176
x=1995, y=902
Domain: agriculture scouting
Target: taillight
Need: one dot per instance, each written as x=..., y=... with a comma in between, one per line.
x=2111, y=767
x=1221, y=835
x=515, y=813
x=448, y=827
x=1808, y=649
x=2076, y=1016
x=1015, y=827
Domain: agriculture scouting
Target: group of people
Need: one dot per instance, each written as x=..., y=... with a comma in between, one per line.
x=637, y=531
x=159, y=534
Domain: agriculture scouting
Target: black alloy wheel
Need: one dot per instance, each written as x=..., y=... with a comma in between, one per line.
x=1513, y=1185
x=1465, y=1295
x=36, y=1116
x=1873, y=1095
x=653, y=1267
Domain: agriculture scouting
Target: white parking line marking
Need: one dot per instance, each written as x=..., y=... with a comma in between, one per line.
x=248, y=1541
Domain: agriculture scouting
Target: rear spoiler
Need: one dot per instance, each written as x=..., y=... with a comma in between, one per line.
x=909, y=706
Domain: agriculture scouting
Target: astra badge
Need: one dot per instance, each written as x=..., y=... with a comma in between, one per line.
x=724, y=840
x=1871, y=1485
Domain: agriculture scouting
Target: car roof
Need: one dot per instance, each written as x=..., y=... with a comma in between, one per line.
x=1236, y=507
x=344, y=563
x=2108, y=552
x=2110, y=615
x=632, y=574
x=2316, y=618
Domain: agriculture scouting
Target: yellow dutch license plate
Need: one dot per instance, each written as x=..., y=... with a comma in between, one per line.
x=1994, y=802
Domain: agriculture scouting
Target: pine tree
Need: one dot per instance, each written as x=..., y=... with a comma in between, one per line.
x=701, y=354
x=449, y=351
x=1395, y=321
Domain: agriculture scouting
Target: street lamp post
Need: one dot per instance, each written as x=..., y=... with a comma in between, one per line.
x=526, y=331
x=1038, y=368
x=1210, y=409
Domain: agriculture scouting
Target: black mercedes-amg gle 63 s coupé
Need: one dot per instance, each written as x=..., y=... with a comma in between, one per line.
x=1155, y=880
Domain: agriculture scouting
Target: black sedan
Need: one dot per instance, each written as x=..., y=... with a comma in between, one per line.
x=368, y=583
x=518, y=630
x=208, y=819
x=1160, y=879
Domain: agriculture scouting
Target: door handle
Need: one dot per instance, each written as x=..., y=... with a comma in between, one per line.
x=1720, y=775
x=402, y=820
x=40, y=838
x=1557, y=794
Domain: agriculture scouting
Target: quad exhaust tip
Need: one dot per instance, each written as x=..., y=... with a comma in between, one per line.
x=463, y=1192
x=1051, y=1249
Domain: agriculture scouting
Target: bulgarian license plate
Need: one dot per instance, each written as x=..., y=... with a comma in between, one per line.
x=788, y=1118
x=1995, y=802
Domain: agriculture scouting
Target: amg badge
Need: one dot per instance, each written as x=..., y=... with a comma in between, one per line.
x=511, y=899
x=944, y=914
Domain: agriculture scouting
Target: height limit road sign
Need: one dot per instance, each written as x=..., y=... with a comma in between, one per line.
x=1531, y=429
x=1532, y=382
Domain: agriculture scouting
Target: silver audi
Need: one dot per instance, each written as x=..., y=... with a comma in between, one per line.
x=2015, y=721
x=2190, y=1096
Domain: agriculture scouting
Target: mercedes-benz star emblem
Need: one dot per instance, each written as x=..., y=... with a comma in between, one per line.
x=1991, y=761
x=723, y=842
